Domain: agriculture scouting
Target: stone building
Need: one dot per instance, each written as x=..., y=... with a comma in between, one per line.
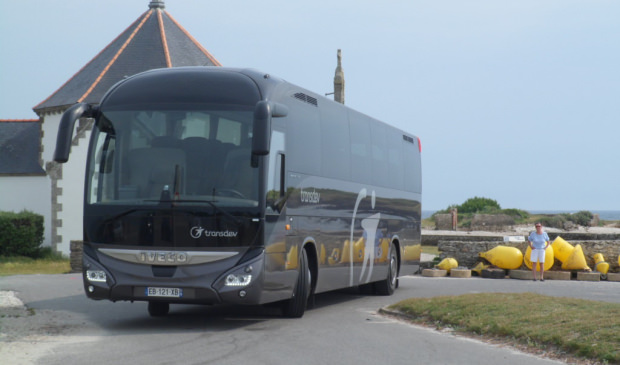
x=154, y=40
x=23, y=181
x=32, y=180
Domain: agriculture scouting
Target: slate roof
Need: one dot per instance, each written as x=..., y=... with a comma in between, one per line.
x=154, y=40
x=20, y=146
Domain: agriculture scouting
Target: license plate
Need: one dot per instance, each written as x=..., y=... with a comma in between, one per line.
x=164, y=292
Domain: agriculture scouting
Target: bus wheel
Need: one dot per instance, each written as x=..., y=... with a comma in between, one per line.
x=387, y=286
x=158, y=309
x=296, y=306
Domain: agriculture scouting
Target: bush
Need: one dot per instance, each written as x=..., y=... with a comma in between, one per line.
x=555, y=221
x=582, y=218
x=479, y=205
x=21, y=234
x=518, y=214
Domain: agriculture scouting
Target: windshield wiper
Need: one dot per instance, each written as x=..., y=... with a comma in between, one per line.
x=127, y=212
x=211, y=203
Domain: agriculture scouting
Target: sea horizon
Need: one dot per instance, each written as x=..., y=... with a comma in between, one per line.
x=607, y=215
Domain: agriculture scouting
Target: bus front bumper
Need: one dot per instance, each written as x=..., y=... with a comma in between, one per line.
x=110, y=279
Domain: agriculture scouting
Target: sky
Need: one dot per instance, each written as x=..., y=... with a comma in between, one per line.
x=516, y=101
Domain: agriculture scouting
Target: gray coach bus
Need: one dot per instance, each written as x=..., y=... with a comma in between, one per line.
x=216, y=185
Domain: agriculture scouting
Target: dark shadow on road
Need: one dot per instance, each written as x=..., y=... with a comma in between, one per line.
x=133, y=318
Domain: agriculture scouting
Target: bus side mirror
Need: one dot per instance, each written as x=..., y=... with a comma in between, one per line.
x=65, y=131
x=261, y=133
x=278, y=110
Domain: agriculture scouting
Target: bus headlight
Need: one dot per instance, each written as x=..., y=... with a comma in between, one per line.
x=238, y=279
x=96, y=276
x=241, y=278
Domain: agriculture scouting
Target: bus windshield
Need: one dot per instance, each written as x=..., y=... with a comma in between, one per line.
x=152, y=156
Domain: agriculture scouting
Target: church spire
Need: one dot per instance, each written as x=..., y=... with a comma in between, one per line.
x=339, y=81
x=157, y=4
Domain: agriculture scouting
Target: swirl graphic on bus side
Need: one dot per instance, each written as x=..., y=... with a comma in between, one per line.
x=369, y=225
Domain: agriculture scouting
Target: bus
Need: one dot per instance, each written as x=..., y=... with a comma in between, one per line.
x=212, y=185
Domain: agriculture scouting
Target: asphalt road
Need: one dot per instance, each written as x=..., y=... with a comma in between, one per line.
x=63, y=327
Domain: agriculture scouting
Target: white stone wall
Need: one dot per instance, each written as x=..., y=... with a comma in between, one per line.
x=70, y=200
x=50, y=131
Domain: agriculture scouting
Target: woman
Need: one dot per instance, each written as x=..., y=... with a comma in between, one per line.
x=539, y=241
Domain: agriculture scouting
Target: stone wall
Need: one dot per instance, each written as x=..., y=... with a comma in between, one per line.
x=443, y=222
x=466, y=252
x=76, y=256
x=491, y=222
x=434, y=239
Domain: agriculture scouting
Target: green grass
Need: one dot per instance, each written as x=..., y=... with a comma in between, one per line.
x=432, y=250
x=577, y=327
x=24, y=265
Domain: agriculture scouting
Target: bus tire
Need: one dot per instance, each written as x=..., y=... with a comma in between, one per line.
x=158, y=309
x=387, y=286
x=296, y=306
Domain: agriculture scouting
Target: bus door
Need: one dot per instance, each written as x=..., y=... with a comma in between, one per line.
x=275, y=217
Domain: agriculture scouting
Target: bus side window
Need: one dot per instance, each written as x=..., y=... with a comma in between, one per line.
x=411, y=159
x=395, y=159
x=361, y=163
x=378, y=154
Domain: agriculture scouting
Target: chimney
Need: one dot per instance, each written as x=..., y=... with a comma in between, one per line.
x=339, y=81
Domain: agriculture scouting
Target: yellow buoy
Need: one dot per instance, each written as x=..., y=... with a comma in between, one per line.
x=548, y=258
x=504, y=257
x=346, y=252
x=291, y=259
x=479, y=267
x=599, y=264
x=277, y=253
x=561, y=249
x=447, y=264
x=334, y=257
x=576, y=260
x=412, y=252
x=322, y=255
x=358, y=250
x=381, y=255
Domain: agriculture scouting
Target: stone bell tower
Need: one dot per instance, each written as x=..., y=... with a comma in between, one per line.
x=339, y=81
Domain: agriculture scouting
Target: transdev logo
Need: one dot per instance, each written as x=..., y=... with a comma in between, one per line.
x=197, y=232
x=310, y=196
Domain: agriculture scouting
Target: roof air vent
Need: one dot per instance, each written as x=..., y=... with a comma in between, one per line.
x=306, y=98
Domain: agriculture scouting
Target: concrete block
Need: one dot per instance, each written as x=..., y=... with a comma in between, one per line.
x=549, y=275
x=460, y=273
x=589, y=276
x=520, y=274
x=613, y=276
x=434, y=273
x=557, y=275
